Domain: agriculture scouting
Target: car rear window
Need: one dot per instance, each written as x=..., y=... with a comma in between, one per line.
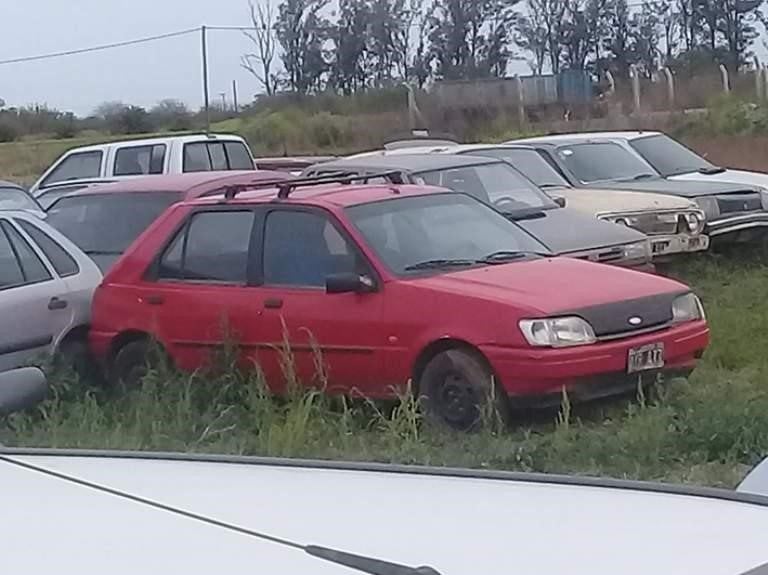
x=218, y=156
x=106, y=224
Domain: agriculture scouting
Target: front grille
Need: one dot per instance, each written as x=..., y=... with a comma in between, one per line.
x=607, y=256
x=613, y=320
x=739, y=202
x=657, y=224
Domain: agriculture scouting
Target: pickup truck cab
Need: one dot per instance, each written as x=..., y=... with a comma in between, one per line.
x=153, y=156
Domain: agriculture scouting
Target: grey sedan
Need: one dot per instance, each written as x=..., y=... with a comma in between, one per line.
x=46, y=285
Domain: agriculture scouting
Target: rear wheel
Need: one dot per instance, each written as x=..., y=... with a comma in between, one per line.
x=132, y=363
x=457, y=390
x=73, y=353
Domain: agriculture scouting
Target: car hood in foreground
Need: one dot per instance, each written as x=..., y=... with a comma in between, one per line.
x=686, y=189
x=519, y=523
x=568, y=230
x=608, y=201
x=553, y=285
x=740, y=177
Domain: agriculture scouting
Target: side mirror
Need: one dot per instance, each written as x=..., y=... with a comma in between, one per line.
x=21, y=389
x=349, y=283
x=559, y=200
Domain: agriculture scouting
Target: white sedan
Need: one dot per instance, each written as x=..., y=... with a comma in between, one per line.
x=46, y=285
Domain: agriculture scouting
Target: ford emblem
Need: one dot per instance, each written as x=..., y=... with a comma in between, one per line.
x=635, y=320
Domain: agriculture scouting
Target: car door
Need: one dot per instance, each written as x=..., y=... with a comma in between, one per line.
x=33, y=301
x=198, y=296
x=328, y=340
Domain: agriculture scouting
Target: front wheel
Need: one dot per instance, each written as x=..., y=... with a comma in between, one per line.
x=457, y=390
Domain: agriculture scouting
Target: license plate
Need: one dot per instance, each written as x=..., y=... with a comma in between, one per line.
x=646, y=358
x=660, y=247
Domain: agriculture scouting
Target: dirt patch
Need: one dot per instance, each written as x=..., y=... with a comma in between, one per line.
x=743, y=152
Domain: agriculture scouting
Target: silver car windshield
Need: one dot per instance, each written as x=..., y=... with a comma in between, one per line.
x=668, y=157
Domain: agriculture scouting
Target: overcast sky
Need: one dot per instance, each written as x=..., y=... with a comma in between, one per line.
x=139, y=74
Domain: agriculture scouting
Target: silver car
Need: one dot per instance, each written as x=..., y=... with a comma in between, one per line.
x=46, y=285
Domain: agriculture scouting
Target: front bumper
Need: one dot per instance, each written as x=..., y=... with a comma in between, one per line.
x=541, y=372
x=678, y=244
x=735, y=225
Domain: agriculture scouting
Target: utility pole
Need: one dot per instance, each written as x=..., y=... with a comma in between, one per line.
x=206, y=96
x=234, y=97
x=223, y=101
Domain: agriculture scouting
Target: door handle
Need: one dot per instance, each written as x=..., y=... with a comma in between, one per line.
x=57, y=303
x=154, y=299
x=273, y=303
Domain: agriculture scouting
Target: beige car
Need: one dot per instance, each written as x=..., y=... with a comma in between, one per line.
x=673, y=224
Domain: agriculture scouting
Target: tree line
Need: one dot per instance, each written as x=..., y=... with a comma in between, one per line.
x=307, y=46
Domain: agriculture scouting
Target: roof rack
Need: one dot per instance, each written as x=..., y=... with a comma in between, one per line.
x=286, y=187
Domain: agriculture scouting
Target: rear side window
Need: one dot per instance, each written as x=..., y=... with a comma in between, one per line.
x=140, y=160
x=10, y=269
x=76, y=166
x=217, y=156
x=106, y=224
x=62, y=262
x=239, y=156
x=213, y=247
x=16, y=199
x=32, y=267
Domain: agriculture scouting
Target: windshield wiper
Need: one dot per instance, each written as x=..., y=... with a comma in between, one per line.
x=102, y=253
x=502, y=257
x=440, y=264
x=527, y=213
x=552, y=186
x=639, y=177
x=360, y=563
x=712, y=171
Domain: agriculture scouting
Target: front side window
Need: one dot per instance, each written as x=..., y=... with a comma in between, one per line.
x=140, y=160
x=669, y=157
x=32, y=267
x=64, y=264
x=239, y=156
x=213, y=247
x=498, y=184
x=77, y=166
x=106, y=224
x=603, y=162
x=530, y=163
x=407, y=232
x=303, y=248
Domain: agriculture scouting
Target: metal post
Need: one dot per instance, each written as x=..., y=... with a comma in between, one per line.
x=670, y=86
x=234, y=97
x=635, y=87
x=206, y=95
x=726, y=79
x=223, y=101
x=520, y=101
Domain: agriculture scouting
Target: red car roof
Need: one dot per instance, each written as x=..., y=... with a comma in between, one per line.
x=191, y=185
x=341, y=195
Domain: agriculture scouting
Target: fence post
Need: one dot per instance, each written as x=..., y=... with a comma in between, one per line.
x=726, y=79
x=670, y=87
x=635, y=77
x=759, y=84
x=611, y=82
x=520, y=101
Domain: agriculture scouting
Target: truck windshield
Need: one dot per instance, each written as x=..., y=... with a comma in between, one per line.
x=450, y=228
x=603, y=162
x=668, y=157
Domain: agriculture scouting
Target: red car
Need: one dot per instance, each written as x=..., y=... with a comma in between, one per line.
x=392, y=283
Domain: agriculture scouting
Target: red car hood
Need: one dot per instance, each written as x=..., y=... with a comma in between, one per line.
x=552, y=285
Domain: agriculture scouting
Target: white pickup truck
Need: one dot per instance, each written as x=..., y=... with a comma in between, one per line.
x=130, y=158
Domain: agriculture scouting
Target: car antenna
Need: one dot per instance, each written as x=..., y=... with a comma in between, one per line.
x=359, y=563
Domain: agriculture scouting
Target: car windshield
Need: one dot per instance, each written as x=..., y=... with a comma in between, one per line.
x=106, y=224
x=407, y=232
x=598, y=162
x=16, y=199
x=498, y=184
x=530, y=163
x=669, y=157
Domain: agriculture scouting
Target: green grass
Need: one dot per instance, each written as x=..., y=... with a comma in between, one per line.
x=709, y=430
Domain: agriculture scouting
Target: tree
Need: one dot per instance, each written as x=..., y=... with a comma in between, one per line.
x=542, y=31
x=302, y=32
x=260, y=62
x=350, y=37
x=172, y=115
x=390, y=22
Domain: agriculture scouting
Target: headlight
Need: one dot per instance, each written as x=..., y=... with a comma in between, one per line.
x=709, y=206
x=557, y=332
x=638, y=250
x=695, y=221
x=687, y=308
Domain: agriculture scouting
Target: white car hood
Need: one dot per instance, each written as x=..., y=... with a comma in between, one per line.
x=458, y=525
x=600, y=201
x=731, y=176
